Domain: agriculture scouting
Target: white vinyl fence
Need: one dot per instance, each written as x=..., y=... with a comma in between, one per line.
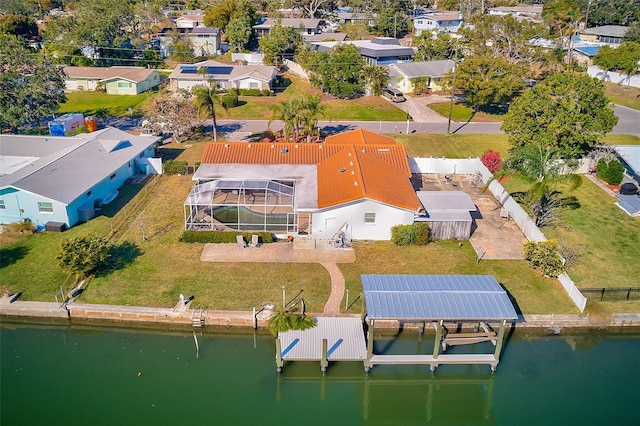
x=296, y=69
x=470, y=166
x=614, y=77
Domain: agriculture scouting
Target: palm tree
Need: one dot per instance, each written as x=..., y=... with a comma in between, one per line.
x=420, y=84
x=375, y=77
x=287, y=319
x=311, y=111
x=544, y=169
x=205, y=101
x=285, y=111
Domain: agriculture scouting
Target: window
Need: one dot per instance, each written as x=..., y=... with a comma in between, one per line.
x=89, y=194
x=45, y=207
x=253, y=85
x=2, y=206
x=124, y=84
x=370, y=218
x=112, y=177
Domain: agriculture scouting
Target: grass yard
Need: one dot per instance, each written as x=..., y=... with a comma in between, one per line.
x=453, y=146
x=462, y=113
x=604, y=238
x=372, y=108
x=623, y=95
x=97, y=103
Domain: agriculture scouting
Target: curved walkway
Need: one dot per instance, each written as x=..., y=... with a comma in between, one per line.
x=337, y=288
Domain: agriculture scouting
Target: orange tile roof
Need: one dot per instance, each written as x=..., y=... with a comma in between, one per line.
x=346, y=172
x=360, y=137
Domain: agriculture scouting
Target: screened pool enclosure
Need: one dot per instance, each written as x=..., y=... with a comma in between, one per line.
x=243, y=205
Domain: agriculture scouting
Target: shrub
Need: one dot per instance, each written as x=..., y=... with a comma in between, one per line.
x=406, y=235
x=83, y=255
x=610, y=171
x=219, y=237
x=615, y=172
x=491, y=160
x=229, y=100
x=174, y=167
x=251, y=92
x=25, y=225
x=544, y=255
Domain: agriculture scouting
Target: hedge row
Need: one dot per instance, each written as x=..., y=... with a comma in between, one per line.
x=173, y=167
x=220, y=237
x=255, y=92
x=414, y=234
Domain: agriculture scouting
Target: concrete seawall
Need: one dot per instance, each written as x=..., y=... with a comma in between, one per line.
x=244, y=319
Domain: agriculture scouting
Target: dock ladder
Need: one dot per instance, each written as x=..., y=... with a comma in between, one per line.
x=197, y=317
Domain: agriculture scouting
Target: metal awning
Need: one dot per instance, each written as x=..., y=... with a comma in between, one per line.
x=436, y=297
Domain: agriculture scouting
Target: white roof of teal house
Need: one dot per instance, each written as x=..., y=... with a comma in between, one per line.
x=421, y=69
x=436, y=297
x=63, y=168
x=221, y=71
x=607, y=30
x=631, y=155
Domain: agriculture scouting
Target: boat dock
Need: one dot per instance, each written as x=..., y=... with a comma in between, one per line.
x=332, y=339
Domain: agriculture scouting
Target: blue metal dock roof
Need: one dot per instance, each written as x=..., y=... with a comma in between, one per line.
x=436, y=297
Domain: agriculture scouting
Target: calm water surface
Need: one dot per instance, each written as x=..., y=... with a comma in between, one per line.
x=92, y=376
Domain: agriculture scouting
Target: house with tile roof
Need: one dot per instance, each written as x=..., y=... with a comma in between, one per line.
x=357, y=183
x=62, y=179
x=402, y=74
x=226, y=76
x=117, y=80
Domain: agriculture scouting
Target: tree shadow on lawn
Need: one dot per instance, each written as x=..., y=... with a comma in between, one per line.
x=120, y=256
x=12, y=254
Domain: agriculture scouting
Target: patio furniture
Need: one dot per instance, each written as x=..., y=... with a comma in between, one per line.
x=240, y=241
x=254, y=241
x=504, y=214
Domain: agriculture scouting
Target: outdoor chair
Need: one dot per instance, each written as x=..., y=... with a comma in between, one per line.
x=504, y=214
x=254, y=241
x=241, y=243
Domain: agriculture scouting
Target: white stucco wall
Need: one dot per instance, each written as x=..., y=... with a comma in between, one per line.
x=326, y=223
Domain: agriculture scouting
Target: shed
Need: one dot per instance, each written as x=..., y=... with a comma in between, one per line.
x=438, y=299
x=447, y=213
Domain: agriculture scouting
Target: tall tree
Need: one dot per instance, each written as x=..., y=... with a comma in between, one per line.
x=20, y=26
x=612, y=12
x=569, y=113
x=489, y=79
x=277, y=42
x=434, y=46
x=172, y=113
x=312, y=8
x=624, y=58
x=562, y=16
x=205, y=101
x=312, y=110
x=339, y=71
x=30, y=88
x=239, y=33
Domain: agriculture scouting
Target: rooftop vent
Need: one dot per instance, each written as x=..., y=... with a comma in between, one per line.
x=355, y=183
x=383, y=150
x=249, y=146
x=273, y=146
x=226, y=145
x=284, y=150
x=342, y=169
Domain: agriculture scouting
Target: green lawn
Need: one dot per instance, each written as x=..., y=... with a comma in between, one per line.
x=453, y=146
x=93, y=103
x=462, y=113
x=623, y=95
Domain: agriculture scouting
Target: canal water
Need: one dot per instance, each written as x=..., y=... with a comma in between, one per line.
x=84, y=375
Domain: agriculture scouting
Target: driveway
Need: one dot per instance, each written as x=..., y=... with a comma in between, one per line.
x=419, y=111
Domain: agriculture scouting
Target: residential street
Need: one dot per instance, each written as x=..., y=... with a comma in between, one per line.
x=240, y=130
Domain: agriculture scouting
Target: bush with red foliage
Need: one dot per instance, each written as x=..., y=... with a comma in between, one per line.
x=491, y=159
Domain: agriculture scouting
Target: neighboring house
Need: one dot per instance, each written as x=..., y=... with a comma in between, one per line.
x=606, y=34
x=62, y=179
x=379, y=51
x=357, y=183
x=226, y=76
x=583, y=53
x=630, y=156
x=324, y=37
x=532, y=12
x=401, y=74
x=437, y=21
x=304, y=26
x=205, y=41
x=119, y=80
x=190, y=21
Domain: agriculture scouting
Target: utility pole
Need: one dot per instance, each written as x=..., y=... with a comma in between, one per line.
x=453, y=87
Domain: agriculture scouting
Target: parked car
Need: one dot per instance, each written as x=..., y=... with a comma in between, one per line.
x=393, y=95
